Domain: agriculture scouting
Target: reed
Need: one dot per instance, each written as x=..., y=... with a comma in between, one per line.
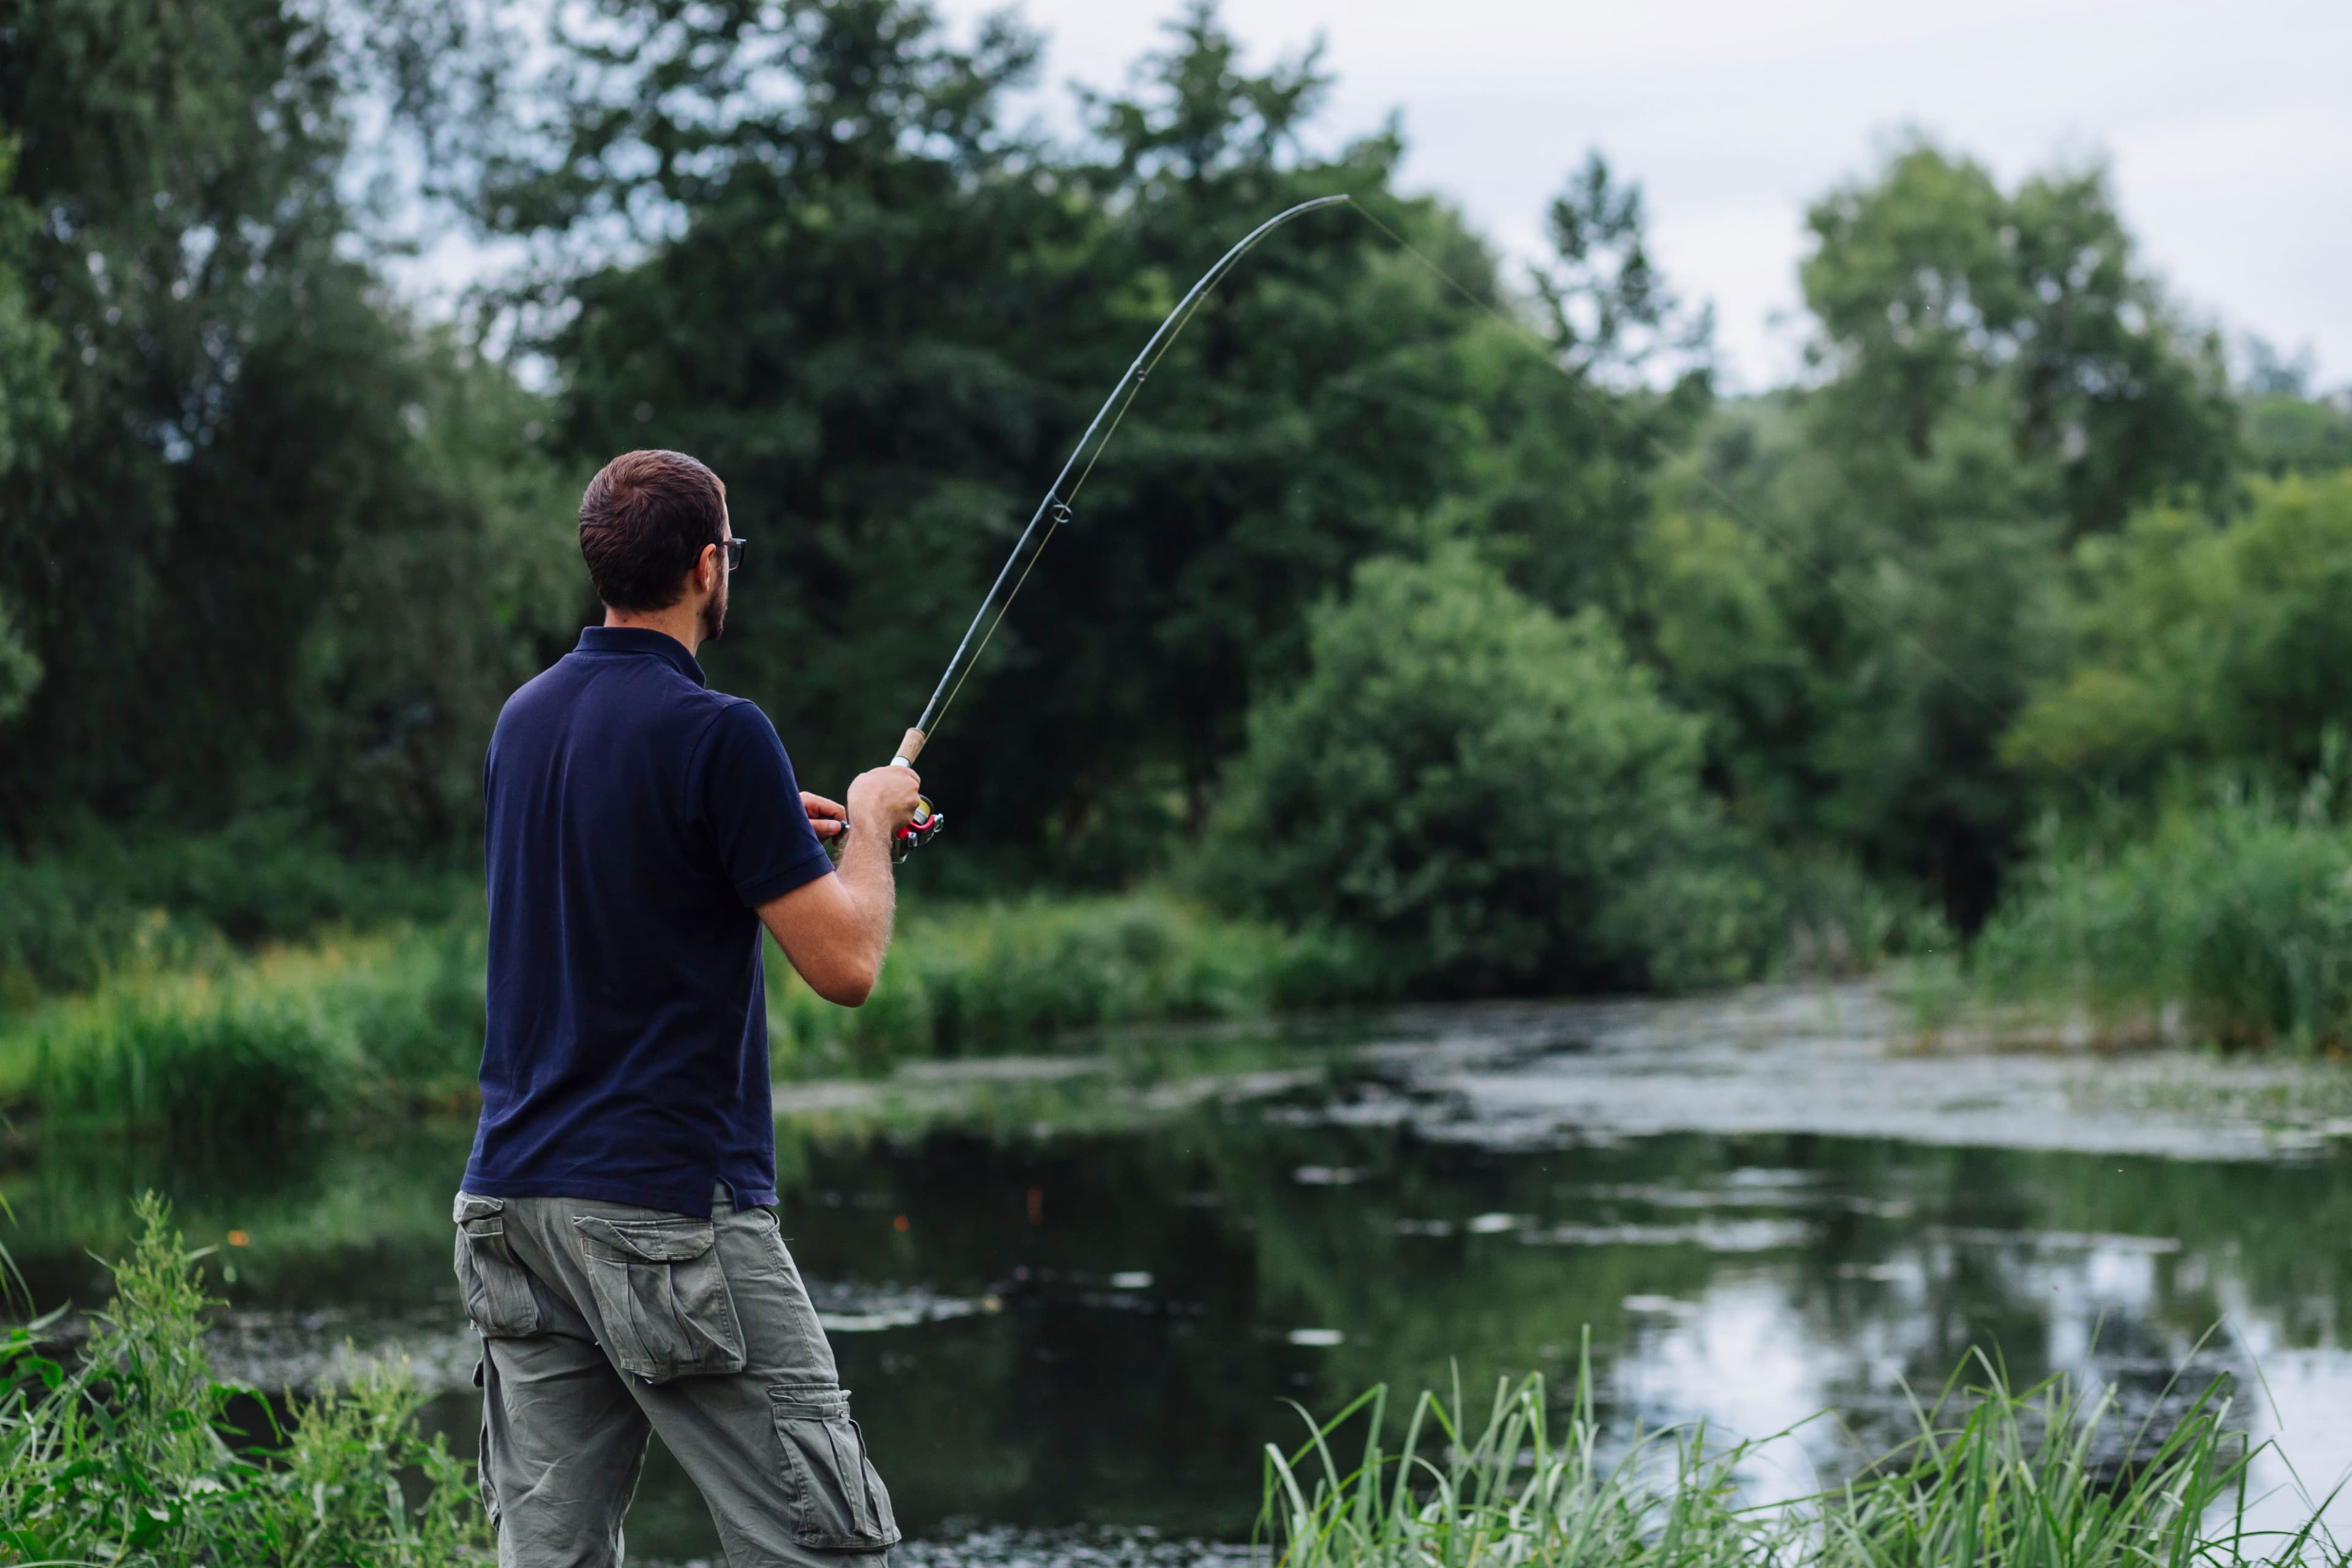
x=254, y=1046
x=2042, y=1477
x=2239, y=913
x=978, y=978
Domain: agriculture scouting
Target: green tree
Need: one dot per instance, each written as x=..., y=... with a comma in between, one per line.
x=240, y=410
x=1561, y=485
x=2198, y=644
x=1859, y=627
x=1928, y=279
x=1496, y=796
x=1859, y=584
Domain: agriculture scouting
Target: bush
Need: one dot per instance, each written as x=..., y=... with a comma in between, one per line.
x=1494, y=797
x=129, y=1458
x=205, y=1060
x=2240, y=913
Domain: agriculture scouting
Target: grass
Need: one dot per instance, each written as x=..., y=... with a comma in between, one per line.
x=216, y=1044
x=246, y=1046
x=2037, y=1479
x=2238, y=916
x=128, y=1455
x=975, y=979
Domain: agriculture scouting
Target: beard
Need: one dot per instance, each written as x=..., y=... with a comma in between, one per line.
x=714, y=615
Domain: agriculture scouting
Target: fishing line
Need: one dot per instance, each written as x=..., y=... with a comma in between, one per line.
x=1054, y=509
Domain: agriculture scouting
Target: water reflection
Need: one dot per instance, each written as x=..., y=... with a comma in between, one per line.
x=1050, y=1329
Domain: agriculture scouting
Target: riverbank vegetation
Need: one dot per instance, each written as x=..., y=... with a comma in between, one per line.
x=203, y=1041
x=125, y=1450
x=2042, y=1476
x=1387, y=658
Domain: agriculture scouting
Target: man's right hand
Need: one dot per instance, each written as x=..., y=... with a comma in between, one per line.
x=836, y=928
x=887, y=795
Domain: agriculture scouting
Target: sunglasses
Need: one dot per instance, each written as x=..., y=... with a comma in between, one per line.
x=734, y=548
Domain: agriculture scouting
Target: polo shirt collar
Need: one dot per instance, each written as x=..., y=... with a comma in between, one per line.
x=642, y=639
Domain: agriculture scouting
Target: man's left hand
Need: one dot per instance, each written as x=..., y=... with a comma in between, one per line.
x=827, y=817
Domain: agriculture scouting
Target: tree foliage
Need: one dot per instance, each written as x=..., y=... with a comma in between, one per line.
x=270, y=550
x=2199, y=645
x=245, y=429
x=1498, y=796
x=1929, y=280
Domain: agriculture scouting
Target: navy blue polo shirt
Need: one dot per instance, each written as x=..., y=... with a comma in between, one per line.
x=635, y=821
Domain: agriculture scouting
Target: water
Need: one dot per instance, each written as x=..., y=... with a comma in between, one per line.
x=1072, y=1303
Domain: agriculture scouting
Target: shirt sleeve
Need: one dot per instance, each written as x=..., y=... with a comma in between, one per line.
x=766, y=847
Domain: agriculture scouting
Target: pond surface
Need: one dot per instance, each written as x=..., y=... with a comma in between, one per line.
x=1072, y=1298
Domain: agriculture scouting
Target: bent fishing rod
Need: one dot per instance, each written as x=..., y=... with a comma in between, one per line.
x=1054, y=511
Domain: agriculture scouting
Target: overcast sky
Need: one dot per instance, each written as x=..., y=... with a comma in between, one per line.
x=2230, y=126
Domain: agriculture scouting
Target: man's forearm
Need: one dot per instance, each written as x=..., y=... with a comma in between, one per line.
x=872, y=889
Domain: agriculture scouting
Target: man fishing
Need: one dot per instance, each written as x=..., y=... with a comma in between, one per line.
x=616, y=1239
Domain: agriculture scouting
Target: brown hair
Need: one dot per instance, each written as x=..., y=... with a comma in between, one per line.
x=644, y=521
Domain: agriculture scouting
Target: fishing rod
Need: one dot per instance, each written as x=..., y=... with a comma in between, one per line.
x=1052, y=512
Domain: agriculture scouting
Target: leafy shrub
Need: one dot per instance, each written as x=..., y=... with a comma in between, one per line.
x=128, y=1456
x=2240, y=913
x=1496, y=798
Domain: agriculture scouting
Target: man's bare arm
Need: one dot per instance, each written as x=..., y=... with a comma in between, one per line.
x=836, y=928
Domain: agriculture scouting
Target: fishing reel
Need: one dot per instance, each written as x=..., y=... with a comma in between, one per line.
x=928, y=820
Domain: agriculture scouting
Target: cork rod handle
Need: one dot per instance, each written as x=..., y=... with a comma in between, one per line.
x=911, y=746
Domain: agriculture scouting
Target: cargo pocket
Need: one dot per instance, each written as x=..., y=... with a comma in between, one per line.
x=497, y=1287
x=838, y=1503
x=664, y=1299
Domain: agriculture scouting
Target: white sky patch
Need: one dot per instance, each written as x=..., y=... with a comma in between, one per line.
x=2230, y=127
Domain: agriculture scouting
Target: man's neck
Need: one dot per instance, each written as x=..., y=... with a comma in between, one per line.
x=681, y=621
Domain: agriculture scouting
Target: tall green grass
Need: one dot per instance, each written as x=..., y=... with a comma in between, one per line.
x=969, y=978
x=2239, y=914
x=2039, y=1478
x=247, y=1046
x=234, y=1046
x=126, y=1455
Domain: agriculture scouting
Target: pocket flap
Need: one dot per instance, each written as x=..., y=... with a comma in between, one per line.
x=809, y=1405
x=650, y=1241
x=472, y=1208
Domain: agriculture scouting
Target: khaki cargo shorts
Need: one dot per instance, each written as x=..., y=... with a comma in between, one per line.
x=601, y=1323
